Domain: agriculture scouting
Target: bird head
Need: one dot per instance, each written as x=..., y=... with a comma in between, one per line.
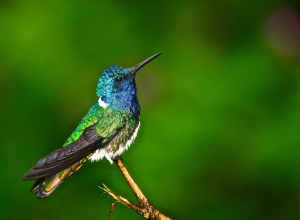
x=117, y=88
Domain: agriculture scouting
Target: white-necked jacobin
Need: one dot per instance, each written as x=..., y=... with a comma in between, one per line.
x=107, y=130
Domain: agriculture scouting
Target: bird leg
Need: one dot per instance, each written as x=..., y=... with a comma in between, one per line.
x=145, y=207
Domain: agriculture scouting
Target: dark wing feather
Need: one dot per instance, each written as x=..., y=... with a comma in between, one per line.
x=65, y=157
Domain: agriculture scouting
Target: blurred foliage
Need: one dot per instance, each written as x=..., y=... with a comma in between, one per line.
x=220, y=108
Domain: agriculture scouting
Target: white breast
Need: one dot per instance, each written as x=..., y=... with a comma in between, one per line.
x=99, y=154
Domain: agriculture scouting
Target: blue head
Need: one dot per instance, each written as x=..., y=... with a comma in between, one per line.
x=117, y=87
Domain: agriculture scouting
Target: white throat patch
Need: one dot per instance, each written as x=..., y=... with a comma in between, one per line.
x=101, y=103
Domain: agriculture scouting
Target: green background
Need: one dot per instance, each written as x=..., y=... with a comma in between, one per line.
x=220, y=118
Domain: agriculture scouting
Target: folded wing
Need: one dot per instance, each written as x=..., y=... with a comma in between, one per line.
x=65, y=157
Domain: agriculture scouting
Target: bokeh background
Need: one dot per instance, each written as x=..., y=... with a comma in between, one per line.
x=220, y=107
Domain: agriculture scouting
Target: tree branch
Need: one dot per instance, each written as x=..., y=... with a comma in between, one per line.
x=145, y=208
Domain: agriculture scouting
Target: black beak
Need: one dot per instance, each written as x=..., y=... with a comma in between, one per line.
x=140, y=65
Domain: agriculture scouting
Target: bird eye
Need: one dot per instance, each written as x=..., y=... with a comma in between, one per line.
x=118, y=79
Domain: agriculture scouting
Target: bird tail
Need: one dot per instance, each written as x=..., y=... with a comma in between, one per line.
x=46, y=185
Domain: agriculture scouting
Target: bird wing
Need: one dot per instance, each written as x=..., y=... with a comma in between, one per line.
x=73, y=151
x=65, y=157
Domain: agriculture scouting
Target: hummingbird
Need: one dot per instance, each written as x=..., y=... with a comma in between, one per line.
x=107, y=130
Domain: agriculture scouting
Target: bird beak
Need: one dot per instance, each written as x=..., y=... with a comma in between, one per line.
x=134, y=69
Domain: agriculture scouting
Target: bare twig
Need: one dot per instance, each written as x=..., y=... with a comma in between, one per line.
x=112, y=207
x=145, y=208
